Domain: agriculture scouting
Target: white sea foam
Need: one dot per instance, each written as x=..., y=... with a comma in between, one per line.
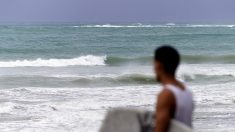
x=88, y=60
x=208, y=69
x=171, y=24
x=6, y=107
x=229, y=26
x=118, y=26
x=163, y=25
x=83, y=109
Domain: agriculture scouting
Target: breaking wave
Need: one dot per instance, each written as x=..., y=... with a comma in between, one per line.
x=92, y=60
x=76, y=81
x=88, y=60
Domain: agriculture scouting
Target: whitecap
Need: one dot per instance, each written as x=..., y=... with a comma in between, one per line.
x=89, y=60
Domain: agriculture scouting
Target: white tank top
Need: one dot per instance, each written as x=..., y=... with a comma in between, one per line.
x=184, y=104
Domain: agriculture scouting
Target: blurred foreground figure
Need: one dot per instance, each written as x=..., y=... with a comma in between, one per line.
x=174, y=107
x=175, y=100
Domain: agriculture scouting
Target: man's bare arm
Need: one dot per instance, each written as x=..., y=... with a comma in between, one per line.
x=166, y=102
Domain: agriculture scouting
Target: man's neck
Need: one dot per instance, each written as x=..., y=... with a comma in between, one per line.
x=168, y=79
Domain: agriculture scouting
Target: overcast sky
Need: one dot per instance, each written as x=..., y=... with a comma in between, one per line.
x=215, y=11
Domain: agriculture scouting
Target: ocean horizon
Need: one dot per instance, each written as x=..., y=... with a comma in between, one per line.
x=64, y=77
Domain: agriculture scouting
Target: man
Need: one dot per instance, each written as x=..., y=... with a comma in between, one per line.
x=175, y=100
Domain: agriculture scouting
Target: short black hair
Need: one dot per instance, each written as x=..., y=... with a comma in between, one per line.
x=169, y=57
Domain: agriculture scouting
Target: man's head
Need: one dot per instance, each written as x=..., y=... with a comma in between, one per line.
x=166, y=61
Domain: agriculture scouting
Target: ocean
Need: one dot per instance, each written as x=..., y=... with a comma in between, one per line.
x=64, y=78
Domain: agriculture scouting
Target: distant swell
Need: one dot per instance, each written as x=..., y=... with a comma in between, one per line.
x=188, y=59
x=88, y=60
x=153, y=26
x=230, y=59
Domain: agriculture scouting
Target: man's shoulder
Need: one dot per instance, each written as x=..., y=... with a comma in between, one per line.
x=166, y=95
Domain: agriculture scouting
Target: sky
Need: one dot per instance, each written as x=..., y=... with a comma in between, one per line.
x=105, y=11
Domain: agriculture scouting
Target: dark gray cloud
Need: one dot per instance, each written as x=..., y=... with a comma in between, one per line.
x=117, y=11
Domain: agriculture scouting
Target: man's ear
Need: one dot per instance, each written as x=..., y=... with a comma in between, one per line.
x=156, y=66
x=159, y=66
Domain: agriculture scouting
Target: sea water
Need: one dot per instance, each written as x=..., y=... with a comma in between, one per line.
x=65, y=77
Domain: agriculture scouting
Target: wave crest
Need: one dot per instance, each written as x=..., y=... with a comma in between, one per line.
x=88, y=60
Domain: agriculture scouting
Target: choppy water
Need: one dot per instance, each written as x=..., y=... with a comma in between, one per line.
x=65, y=77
